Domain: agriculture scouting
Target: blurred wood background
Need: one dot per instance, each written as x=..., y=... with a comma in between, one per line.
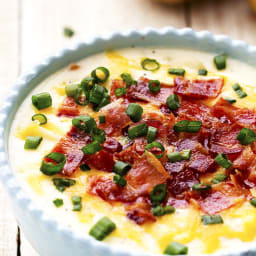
x=33, y=29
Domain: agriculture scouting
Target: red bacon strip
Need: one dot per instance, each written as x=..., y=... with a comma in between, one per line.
x=68, y=108
x=200, y=89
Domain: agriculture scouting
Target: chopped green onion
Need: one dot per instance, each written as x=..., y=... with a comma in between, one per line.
x=86, y=123
x=105, y=101
x=87, y=84
x=179, y=156
x=77, y=203
x=219, y=178
x=102, y=228
x=121, y=168
x=220, y=61
x=151, y=135
x=134, y=111
x=42, y=100
x=202, y=72
x=158, y=194
x=156, y=144
x=40, y=117
x=48, y=168
x=119, y=92
x=239, y=91
x=154, y=86
x=187, y=126
x=186, y=154
x=138, y=131
x=175, y=248
x=150, y=64
x=70, y=89
x=201, y=187
x=61, y=184
x=173, y=102
x=98, y=135
x=211, y=219
x=100, y=74
x=32, y=142
x=127, y=78
x=85, y=167
x=253, y=202
x=246, y=136
x=97, y=94
x=223, y=160
x=80, y=99
x=91, y=148
x=176, y=71
x=58, y=202
x=160, y=210
x=119, y=180
x=68, y=32
x=102, y=119
x=231, y=101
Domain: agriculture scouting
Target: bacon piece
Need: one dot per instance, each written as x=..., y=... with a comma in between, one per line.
x=71, y=146
x=141, y=92
x=175, y=167
x=103, y=161
x=116, y=83
x=223, y=139
x=190, y=143
x=231, y=114
x=181, y=182
x=68, y=108
x=222, y=196
x=112, y=145
x=193, y=110
x=200, y=89
x=115, y=119
x=201, y=163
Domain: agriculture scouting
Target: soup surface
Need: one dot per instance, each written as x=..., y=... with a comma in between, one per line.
x=171, y=155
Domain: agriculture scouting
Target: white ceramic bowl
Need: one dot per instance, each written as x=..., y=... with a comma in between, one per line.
x=49, y=237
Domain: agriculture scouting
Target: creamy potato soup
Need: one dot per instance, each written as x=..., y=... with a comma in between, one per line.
x=148, y=149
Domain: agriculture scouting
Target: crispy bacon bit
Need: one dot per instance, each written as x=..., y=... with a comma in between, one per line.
x=73, y=67
x=116, y=83
x=246, y=158
x=71, y=146
x=175, y=167
x=201, y=163
x=112, y=145
x=231, y=114
x=68, y=108
x=200, y=89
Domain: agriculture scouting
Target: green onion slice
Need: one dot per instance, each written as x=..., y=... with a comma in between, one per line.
x=219, y=178
x=77, y=203
x=105, y=101
x=91, y=148
x=58, y=202
x=154, y=86
x=42, y=100
x=179, y=156
x=62, y=183
x=100, y=74
x=187, y=126
x=211, y=219
x=87, y=84
x=253, y=202
x=127, y=78
x=246, y=136
x=150, y=64
x=177, y=71
x=239, y=90
x=32, y=142
x=156, y=144
x=202, y=72
x=98, y=135
x=220, y=61
x=151, y=135
x=160, y=210
x=173, y=102
x=119, y=180
x=102, y=119
x=85, y=167
x=97, y=94
x=68, y=32
x=231, y=101
x=41, y=118
x=80, y=99
x=168, y=209
x=121, y=168
x=49, y=168
x=134, y=111
x=223, y=160
x=119, y=92
x=84, y=122
x=138, y=131
x=175, y=248
x=158, y=194
x=201, y=187
x=70, y=89
x=102, y=228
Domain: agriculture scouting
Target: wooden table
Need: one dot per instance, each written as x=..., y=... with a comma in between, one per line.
x=32, y=29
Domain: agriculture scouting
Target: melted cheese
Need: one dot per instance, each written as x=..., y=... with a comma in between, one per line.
x=185, y=225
